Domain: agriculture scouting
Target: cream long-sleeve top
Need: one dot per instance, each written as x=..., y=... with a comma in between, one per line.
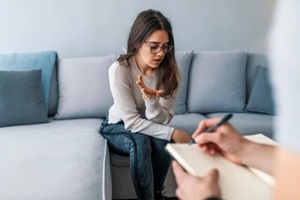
x=146, y=116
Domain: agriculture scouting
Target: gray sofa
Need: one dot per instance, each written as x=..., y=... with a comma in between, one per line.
x=65, y=157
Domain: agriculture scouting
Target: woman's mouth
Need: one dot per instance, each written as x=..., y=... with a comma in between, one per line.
x=157, y=61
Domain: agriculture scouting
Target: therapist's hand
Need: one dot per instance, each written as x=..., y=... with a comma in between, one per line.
x=225, y=139
x=193, y=188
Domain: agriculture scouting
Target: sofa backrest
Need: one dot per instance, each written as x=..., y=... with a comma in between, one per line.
x=183, y=60
x=243, y=78
x=222, y=81
x=80, y=88
x=217, y=81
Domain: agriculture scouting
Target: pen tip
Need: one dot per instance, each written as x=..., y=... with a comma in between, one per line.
x=191, y=142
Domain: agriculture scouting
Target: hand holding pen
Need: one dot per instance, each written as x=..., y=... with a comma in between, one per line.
x=211, y=128
x=224, y=139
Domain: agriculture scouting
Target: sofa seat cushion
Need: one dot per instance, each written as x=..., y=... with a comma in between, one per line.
x=187, y=122
x=63, y=159
x=250, y=123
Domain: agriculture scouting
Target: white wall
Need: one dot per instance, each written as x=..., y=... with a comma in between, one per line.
x=100, y=27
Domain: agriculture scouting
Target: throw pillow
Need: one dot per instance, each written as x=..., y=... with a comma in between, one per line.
x=84, y=87
x=44, y=60
x=21, y=99
x=218, y=81
x=261, y=99
x=183, y=59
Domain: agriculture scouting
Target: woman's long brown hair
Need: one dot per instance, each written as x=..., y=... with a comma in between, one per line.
x=144, y=25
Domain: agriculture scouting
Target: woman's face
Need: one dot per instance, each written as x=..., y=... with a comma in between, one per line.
x=153, y=50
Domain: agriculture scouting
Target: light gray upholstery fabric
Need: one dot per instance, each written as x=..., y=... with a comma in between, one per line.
x=261, y=97
x=84, y=87
x=187, y=122
x=218, y=81
x=21, y=98
x=183, y=59
x=64, y=159
x=250, y=123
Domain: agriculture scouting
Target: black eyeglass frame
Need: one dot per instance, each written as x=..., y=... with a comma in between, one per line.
x=157, y=49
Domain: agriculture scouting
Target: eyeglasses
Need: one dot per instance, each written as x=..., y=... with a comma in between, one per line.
x=154, y=48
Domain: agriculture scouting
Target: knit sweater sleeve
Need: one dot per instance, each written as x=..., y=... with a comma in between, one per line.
x=125, y=107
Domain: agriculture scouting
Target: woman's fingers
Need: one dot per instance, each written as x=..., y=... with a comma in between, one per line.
x=140, y=82
x=147, y=92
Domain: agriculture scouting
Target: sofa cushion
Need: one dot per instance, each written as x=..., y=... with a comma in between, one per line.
x=250, y=123
x=183, y=59
x=261, y=99
x=45, y=60
x=84, y=87
x=218, y=81
x=59, y=160
x=21, y=99
x=187, y=122
x=253, y=61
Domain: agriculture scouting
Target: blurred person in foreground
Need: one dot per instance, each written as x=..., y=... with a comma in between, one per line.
x=283, y=162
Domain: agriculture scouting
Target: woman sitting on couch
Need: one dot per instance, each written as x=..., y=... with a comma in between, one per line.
x=137, y=121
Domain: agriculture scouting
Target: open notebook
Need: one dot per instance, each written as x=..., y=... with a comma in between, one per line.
x=236, y=182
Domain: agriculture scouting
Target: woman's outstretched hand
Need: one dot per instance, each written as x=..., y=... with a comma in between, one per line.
x=148, y=93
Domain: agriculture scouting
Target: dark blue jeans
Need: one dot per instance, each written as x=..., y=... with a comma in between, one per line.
x=149, y=162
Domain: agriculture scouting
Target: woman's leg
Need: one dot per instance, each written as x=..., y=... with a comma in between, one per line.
x=138, y=147
x=161, y=162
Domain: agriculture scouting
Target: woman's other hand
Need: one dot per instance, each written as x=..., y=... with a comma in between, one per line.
x=180, y=136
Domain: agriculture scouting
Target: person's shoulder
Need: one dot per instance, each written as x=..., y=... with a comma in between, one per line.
x=118, y=69
x=117, y=66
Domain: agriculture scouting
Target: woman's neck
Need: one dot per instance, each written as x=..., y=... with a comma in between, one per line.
x=143, y=67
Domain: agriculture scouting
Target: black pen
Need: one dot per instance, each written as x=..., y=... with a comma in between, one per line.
x=209, y=129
